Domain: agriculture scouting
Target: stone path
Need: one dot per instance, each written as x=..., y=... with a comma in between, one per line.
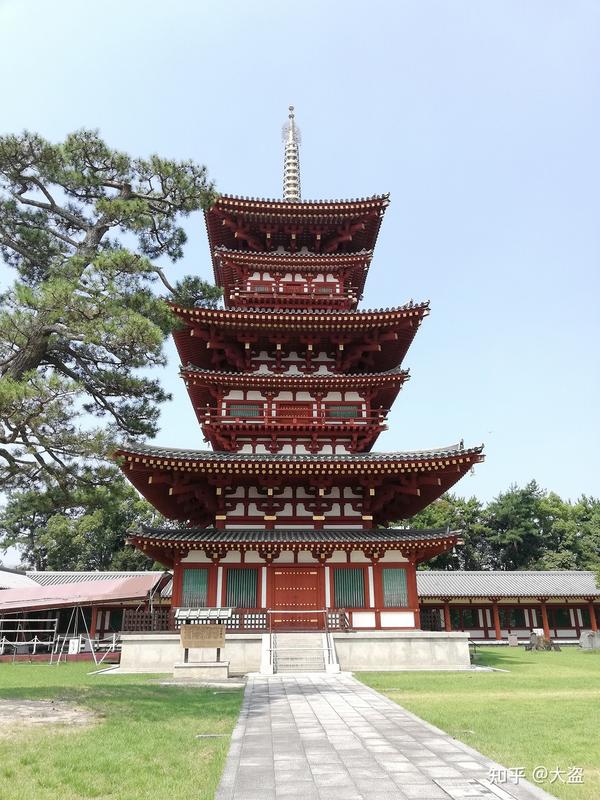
x=327, y=737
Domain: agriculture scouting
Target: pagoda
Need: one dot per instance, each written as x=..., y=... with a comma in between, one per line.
x=288, y=515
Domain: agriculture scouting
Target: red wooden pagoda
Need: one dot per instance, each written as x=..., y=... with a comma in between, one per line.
x=289, y=511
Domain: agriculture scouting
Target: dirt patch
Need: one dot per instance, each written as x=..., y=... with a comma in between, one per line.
x=18, y=714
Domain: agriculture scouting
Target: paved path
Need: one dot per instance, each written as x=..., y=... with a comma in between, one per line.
x=320, y=737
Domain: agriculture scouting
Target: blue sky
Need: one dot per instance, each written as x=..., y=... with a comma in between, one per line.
x=481, y=119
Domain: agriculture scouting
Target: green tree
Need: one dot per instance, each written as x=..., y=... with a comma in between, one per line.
x=461, y=515
x=85, y=229
x=516, y=522
x=82, y=528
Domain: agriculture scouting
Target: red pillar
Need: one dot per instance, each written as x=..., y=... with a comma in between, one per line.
x=592, y=612
x=496, y=617
x=545, y=623
x=447, y=620
x=93, y=621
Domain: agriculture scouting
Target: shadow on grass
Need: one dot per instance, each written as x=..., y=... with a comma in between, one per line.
x=139, y=703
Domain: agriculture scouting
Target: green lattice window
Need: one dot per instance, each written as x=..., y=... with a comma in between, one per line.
x=195, y=588
x=346, y=411
x=395, y=594
x=244, y=410
x=349, y=587
x=242, y=587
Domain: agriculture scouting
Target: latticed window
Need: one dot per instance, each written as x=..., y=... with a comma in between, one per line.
x=262, y=288
x=244, y=410
x=242, y=587
x=512, y=617
x=349, y=587
x=346, y=411
x=470, y=618
x=324, y=289
x=195, y=588
x=395, y=594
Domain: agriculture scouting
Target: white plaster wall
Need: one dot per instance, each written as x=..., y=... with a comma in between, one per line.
x=397, y=619
x=363, y=619
x=393, y=555
x=304, y=557
x=232, y=557
x=196, y=557
x=358, y=557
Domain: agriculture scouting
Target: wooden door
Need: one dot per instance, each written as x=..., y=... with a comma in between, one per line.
x=296, y=589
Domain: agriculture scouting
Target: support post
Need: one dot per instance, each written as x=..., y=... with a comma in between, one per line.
x=592, y=613
x=496, y=617
x=447, y=620
x=94, y=622
x=545, y=624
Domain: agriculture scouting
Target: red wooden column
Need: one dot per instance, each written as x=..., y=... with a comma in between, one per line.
x=496, y=618
x=592, y=613
x=93, y=621
x=447, y=620
x=545, y=623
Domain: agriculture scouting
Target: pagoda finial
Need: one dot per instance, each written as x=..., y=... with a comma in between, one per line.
x=291, y=164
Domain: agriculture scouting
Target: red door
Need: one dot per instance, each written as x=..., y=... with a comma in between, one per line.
x=296, y=591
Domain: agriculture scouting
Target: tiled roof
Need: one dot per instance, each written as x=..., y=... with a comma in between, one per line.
x=347, y=535
x=286, y=458
x=309, y=206
x=329, y=259
x=272, y=315
x=507, y=584
x=398, y=374
x=52, y=578
x=13, y=579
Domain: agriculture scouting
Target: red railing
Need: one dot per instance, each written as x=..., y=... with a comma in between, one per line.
x=275, y=422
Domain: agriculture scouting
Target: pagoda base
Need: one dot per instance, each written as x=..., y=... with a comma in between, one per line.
x=356, y=651
x=201, y=670
x=386, y=651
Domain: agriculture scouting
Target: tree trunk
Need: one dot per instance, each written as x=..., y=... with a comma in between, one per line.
x=29, y=357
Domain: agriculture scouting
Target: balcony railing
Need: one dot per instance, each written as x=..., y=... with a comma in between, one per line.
x=243, y=620
x=296, y=300
x=315, y=423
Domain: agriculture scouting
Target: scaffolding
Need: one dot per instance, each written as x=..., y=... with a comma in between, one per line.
x=22, y=634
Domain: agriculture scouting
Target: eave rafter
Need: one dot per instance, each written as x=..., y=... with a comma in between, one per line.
x=366, y=340
x=320, y=227
x=399, y=485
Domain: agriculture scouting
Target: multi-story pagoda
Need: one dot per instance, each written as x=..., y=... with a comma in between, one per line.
x=290, y=510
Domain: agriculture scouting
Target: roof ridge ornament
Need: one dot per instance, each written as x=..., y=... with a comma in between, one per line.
x=291, y=161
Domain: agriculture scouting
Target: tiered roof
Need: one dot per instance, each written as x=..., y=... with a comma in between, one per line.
x=173, y=542
x=406, y=481
x=202, y=383
x=230, y=264
x=384, y=333
x=320, y=226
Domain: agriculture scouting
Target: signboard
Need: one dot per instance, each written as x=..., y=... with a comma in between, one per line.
x=210, y=635
x=74, y=646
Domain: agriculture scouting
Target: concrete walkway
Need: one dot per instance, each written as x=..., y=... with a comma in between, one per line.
x=326, y=737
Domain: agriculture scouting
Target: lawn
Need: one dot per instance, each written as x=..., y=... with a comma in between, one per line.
x=143, y=745
x=545, y=711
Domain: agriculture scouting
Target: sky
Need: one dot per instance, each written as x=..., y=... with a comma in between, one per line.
x=482, y=120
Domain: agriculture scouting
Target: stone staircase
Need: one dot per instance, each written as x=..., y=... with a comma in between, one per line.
x=298, y=652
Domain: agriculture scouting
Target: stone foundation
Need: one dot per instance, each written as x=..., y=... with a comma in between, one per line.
x=358, y=650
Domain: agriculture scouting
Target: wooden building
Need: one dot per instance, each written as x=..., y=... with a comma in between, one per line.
x=289, y=513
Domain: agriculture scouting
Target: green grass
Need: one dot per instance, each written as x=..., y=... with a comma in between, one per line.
x=544, y=711
x=143, y=745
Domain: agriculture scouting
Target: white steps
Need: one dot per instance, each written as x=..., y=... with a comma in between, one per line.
x=298, y=652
